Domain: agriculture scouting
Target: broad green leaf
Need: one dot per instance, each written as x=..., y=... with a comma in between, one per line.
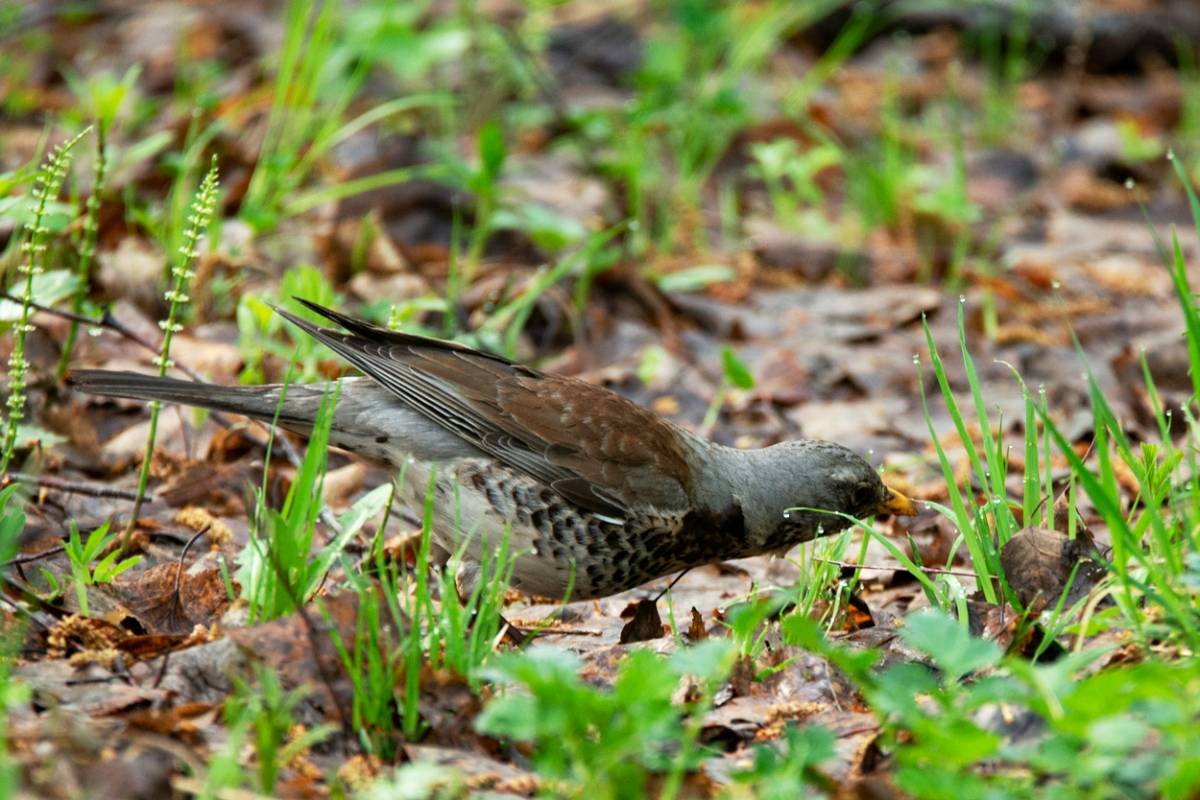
x=945, y=641
x=736, y=371
x=48, y=289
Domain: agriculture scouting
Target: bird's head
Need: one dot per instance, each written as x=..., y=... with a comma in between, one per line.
x=786, y=483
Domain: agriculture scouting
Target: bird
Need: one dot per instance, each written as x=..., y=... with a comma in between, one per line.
x=596, y=494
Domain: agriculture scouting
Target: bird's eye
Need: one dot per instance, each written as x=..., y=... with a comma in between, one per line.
x=863, y=497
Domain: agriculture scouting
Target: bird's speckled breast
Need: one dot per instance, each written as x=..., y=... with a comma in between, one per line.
x=556, y=538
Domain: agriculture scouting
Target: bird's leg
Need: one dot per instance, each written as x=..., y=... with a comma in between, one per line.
x=466, y=578
x=671, y=585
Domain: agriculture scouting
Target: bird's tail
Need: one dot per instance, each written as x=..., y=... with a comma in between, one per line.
x=296, y=406
x=367, y=419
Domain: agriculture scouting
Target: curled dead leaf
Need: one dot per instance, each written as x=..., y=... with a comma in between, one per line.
x=645, y=625
x=696, y=631
x=1039, y=564
x=164, y=601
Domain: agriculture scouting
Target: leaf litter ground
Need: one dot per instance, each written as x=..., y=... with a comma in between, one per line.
x=124, y=699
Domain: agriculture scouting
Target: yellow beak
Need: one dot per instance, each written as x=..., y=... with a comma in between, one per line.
x=898, y=505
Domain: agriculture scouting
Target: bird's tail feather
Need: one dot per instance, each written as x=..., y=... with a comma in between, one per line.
x=298, y=409
x=367, y=420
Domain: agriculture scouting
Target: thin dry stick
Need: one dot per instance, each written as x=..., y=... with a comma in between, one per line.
x=53, y=551
x=71, y=487
x=176, y=602
x=926, y=570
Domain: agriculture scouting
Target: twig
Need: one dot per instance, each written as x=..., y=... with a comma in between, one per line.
x=176, y=602
x=73, y=487
x=671, y=585
x=107, y=321
x=162, y=670
x=58, y=312
x=92, y=681
x=543, y=632
x=858, y=731
x=44, y=625
x=53, y=551
x=12, y=587
x=926, y=570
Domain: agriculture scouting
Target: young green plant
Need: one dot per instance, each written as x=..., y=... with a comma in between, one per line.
x=262, y=332
x=374, y=660
x=82, y=552
x=262, y=711
x=14, y=693
x=102, y=95
x=950, y=727
x=46, y=188
x=278, y=569
x=177, y=296
x=87, y=250
x=984, y=529
x=607, y=743
x=734, y=375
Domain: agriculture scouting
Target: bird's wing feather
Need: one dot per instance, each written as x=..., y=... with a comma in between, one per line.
x=593, y=447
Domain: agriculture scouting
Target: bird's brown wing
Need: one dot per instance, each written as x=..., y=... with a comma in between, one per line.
x=592, y=446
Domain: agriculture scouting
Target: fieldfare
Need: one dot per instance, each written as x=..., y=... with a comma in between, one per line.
x=595, y=492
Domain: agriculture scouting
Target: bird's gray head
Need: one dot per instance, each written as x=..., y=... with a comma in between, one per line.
x=780, y=480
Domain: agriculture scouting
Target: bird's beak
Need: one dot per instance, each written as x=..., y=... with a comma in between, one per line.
x=897, y=505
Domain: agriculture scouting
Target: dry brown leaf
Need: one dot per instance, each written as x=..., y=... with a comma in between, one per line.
x=152, y=597
x=1038, y=564
x=644, y=625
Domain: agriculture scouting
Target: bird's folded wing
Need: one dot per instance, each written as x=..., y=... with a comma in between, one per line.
x=593, y=447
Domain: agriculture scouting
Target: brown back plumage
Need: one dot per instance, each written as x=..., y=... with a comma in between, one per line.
x=598, y=450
